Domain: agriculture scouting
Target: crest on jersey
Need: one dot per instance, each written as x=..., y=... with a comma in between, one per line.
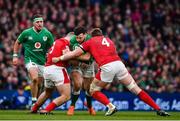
x=44, y=38
x=30, y=38
x=37, y=45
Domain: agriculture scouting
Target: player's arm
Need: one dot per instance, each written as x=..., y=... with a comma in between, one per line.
x=16, y=48
x=72, y=54
x=84, y=57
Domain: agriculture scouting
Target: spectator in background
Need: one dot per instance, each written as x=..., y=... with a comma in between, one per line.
x=20, y=99
x=129, y=23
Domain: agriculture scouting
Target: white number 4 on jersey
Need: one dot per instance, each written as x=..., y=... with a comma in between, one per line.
x=105, y=42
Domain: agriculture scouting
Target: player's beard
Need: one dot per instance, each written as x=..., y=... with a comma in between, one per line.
x=38, y=27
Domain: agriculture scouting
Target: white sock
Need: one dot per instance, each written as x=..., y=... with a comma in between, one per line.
x=110, y=105
x=34, y=99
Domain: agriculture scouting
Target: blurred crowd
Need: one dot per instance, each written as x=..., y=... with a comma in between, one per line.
x=146, y=33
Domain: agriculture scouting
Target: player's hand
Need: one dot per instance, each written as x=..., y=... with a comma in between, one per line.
x=15, y=61
x=55, y=59
x=66, y=50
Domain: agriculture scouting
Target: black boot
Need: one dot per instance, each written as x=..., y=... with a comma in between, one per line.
x=162, y=113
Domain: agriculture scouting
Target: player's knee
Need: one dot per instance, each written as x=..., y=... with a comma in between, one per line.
x=77, y=86
x=47, y=93
x=133, y=87
x=66, y=97
x=94, y=88
x=76, y=89
x=85, y=87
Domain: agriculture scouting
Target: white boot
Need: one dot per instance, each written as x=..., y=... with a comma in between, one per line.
x=111, y=109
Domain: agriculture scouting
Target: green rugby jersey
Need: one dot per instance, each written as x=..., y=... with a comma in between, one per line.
x=35, y=45
x=74, y=44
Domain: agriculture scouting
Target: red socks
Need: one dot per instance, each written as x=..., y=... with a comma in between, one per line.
x=51, y=107
x=99, y=96
x=147, y=99
x=35, y=107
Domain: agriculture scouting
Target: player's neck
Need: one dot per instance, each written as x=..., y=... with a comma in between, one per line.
x=36, y=30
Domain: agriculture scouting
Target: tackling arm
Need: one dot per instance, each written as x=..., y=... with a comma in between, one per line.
x=84, y=57
x=73, y=54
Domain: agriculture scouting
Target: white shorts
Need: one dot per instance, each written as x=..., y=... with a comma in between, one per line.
x=85, y=72
x=55, y=76
x=39, y=67
x=114, y=70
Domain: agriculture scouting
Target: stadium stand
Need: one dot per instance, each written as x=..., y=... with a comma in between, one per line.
x=146, y=33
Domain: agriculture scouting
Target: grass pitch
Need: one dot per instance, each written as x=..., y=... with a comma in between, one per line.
x=84, y=115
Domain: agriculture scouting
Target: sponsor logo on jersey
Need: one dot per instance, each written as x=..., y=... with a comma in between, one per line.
x=37, y=45
x=30, y=38
x=44, y=38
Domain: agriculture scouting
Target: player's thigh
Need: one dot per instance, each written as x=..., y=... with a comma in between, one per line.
x=127, y=80
x=106, y=73
x=130, y=83
x=77, y=78
x=40, y=70
x=33, y=70
x=123, y=75
x=89, y=71
x=49, y=91
x=56, y=75
x=64, y=89
x=87, y=82
x=122, y=71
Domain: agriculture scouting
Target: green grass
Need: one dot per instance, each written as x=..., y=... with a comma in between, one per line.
x=83, y=115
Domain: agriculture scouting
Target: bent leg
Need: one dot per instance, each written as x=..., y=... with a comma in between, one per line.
x=64, y=91
x=42, y=98
x=95, y=91
x=129, y=82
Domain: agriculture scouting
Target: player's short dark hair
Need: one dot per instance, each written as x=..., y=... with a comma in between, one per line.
x=80, y=29
x=37, y=16
x=96, y=32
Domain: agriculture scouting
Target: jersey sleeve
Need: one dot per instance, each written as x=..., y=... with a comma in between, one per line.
x=85, y=46
x=88, y=37
x=21, y=37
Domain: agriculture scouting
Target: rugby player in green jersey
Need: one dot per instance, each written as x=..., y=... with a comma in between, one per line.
x=82, y=76
x=36, y=42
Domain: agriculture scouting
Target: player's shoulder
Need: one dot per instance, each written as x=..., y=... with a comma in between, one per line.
x=88, y=36
x=73, y=40
x=46, y=30
x=27, y=30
